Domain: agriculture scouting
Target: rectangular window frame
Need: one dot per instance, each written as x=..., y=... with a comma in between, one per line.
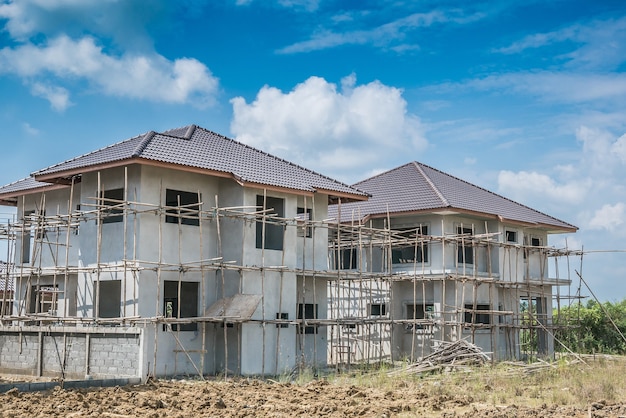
x=109, y=199
x=182, y=207
x=510, y=236
x=425, y=311
x=282, y=316
x=108, y=307
x=348, y=259
x=406, y=254
x=377, y=309
x=308, y=311
x=189, y=295
x=44, y=298
x=303, y=221
x=476, y=318
x=274, y=234
x=465, y=252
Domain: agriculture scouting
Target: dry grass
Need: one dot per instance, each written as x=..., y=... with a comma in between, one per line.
x=568, y=382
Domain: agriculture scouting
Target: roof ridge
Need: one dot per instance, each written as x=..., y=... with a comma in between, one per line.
x=431, y=184
x=86, y=154
x=143, y=144
x=381, y=174
x=498, y=195
x=190, y=130
x=279, y=159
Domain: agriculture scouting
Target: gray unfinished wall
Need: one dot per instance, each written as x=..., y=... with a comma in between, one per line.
x=71, y=353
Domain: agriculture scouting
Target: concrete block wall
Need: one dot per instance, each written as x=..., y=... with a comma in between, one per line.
x=43, y=351
x=18, y=353
x=114, y=355
x=59, y=350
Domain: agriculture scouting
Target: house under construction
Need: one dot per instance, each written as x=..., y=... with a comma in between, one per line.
x=185, y=252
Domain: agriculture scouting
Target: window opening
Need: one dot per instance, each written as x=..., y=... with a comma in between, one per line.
x=474, y=316
x=347, y=259
x=273, y=232
x=282, y=316
x=465, y=252
x=183, y=207
x=307, y=311
x=304, y=217
x=44, y=299
x=511, y=236
x=406, y=252
x=378, y=309
x=419, y=311
x=109, y=296
x=111, y=200
x=187, y=300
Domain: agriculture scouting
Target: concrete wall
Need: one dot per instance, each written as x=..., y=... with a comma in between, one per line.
x=312, y=348
x=100, y=248
x=55, y=202
x=71, y=352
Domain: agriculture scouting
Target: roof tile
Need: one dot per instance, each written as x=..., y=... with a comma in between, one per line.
x=417, y=187
x=199, y=148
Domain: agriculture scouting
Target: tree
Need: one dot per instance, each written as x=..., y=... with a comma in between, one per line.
x=588, y=329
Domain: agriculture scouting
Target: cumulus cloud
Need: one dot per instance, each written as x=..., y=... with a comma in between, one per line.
x=50, y=51
x=58, y=97
x=147, y=77
x=608, y=217
x=332, y=129
x=527, y=185
x=618, y=148
x=124, y=22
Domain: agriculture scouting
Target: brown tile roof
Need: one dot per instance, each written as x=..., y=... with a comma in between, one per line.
x=416, y=187
x=198, y=148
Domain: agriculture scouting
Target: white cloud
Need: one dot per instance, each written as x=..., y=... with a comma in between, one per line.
x=319, y=126
x=569, y=88
x=608, y=217
x=600, y=43
x=148, y=77
x=58, y=97
x=29, y=129
x=569, y=241
x=123, y=22
x=618, y=148
x=525, y=186
x=381, y=36
x=308, y=5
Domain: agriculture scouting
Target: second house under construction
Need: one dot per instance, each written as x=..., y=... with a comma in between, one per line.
x=185, y=252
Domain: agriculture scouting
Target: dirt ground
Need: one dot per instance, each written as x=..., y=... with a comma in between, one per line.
x=255, y=398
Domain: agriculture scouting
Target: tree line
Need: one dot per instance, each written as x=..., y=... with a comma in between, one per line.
x=592, y=327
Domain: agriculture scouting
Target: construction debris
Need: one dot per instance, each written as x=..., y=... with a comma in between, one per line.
x=448, y=356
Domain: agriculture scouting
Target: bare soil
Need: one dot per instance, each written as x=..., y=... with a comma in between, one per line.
x=256, y=398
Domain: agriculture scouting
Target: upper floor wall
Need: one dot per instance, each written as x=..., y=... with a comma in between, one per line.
x=451, y=243
x=157, y=214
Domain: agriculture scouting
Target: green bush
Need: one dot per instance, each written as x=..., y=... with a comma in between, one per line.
x=587, y=329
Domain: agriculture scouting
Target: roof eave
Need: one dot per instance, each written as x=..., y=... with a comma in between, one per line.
x=551, y=228
x=63, y=176
x=10, y=199
x=8, y=202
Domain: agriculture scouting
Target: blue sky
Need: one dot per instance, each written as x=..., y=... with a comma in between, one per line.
x=527, y=99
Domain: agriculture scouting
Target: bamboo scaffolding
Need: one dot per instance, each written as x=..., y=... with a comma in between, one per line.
x=371, y=338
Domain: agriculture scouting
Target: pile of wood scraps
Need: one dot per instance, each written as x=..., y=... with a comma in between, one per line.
x=448, y=356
